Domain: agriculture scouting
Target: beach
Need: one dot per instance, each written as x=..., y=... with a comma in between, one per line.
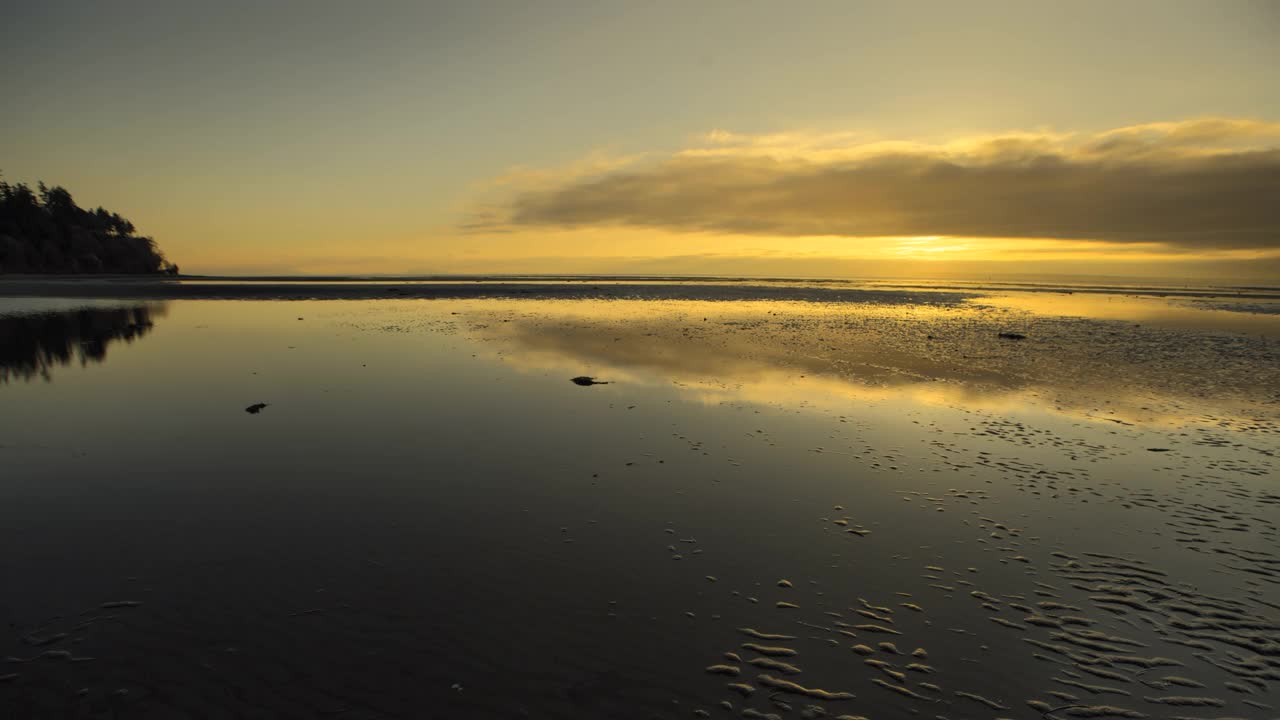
x=783, y=498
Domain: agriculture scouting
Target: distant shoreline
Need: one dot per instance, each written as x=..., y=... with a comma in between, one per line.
x=648, y=287
x=613, y=289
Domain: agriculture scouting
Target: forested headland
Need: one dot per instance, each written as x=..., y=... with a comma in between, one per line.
x=44, y=231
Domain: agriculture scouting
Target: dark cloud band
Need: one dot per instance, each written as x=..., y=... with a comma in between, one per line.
x=1125, y=190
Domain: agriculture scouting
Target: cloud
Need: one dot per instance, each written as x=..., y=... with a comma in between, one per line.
x=1210, y=184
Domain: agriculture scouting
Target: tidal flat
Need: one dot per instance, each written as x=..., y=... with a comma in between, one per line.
x=773, y=500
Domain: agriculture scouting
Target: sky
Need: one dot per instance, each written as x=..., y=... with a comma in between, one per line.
x=931, y=139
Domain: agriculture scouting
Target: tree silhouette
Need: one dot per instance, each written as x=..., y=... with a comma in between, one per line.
x=46, y=232
x=31, y=346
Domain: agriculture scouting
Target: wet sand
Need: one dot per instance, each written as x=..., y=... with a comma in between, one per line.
x=786, y=505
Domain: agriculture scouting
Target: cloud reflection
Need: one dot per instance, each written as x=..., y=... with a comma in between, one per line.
x=831, y=356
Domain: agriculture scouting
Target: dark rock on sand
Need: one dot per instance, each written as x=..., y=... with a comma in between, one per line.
x=1013, y=336
x=255, y=408
x=585, y=380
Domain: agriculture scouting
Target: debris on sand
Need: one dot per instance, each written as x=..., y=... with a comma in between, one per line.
x=1012, y=336
x=255, y=408
x=587, y=381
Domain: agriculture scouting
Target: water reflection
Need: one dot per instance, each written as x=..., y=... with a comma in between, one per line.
x=33, y=345
x=434, y=455
x=1257, y=316
x=833, y=355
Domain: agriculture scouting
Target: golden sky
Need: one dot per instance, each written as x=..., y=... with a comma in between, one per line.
x=1135, y=139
